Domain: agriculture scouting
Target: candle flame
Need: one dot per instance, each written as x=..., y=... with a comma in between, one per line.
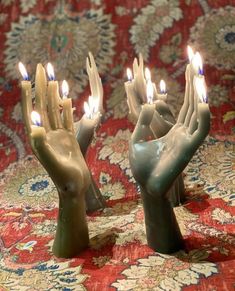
x=65, y=89
x=162, y=87
x=23, y=71
x=129, y=74
x=87, y=110
x=147, y=74
x=197, y=63
x=96, y=104
x=190, y=53
x=91, y=107
x=150, y=92
x=50, y=71
x=201, y=89
x=91, y=103
x=35, y=117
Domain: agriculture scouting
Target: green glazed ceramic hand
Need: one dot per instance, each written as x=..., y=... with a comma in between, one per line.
x=156, y=164
x=85, y=129
x=162, y=120
x=54, y=144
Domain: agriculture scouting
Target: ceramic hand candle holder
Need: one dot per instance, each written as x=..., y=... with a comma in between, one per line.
x=95, y=82
x=157, y=163
x=162, y=120
x=85, y=129
x=54, y=144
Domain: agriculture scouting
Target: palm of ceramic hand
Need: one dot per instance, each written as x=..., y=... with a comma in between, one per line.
x=157, y=163
x=60, y=155
x=163, y=119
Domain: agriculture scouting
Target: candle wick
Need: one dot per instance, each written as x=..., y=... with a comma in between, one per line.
x=200, y=71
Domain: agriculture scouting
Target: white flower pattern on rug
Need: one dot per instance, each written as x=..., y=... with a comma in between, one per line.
x=212, y=167
x=50, y=275
x=151, y=22
x=116, y=149
x=165, y=272
x=64, y=38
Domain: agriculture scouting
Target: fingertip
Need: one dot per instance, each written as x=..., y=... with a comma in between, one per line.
x=141, y=60
x=38, y=136
x=146, y=114
x=90, y=55
x=203, y=122
x=88, y=65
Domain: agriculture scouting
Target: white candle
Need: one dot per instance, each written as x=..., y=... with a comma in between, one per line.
x=38, y=132
x=88, y=124
x=53, y=103
x=67, y=107
x=188, y=97
x=148, y=79
x=132, y=99
x=196, y=70
x=26, y=92
x=129, y=74
x=40, y=96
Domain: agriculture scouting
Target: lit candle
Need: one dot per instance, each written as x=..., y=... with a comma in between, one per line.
x=147, y=75
x=196, y=70
x=163, y=93
x=148, y=80
x=85, y=132
x=40, y=95
x=36, y=119
x=67, y=107
x=53, y=99
x=139, y=80
x=200, y=89
x=132, y=99
x=129, y=74
x=199, y=96
x=26, y=93
x=189, y=75
x=197, y=64
x=159, y=125
x=88, y=124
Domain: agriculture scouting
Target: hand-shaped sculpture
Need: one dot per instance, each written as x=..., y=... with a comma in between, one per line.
x=85, y=129
x=161, y=122
x=54, y=144
x=95, y=81
x=156, y=164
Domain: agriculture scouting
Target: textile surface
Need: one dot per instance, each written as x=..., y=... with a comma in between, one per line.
x=118, y=258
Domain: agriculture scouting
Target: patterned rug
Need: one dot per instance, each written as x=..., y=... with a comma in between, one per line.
x=118, y=257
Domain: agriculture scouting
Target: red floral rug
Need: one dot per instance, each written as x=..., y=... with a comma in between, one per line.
x=115, y=32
